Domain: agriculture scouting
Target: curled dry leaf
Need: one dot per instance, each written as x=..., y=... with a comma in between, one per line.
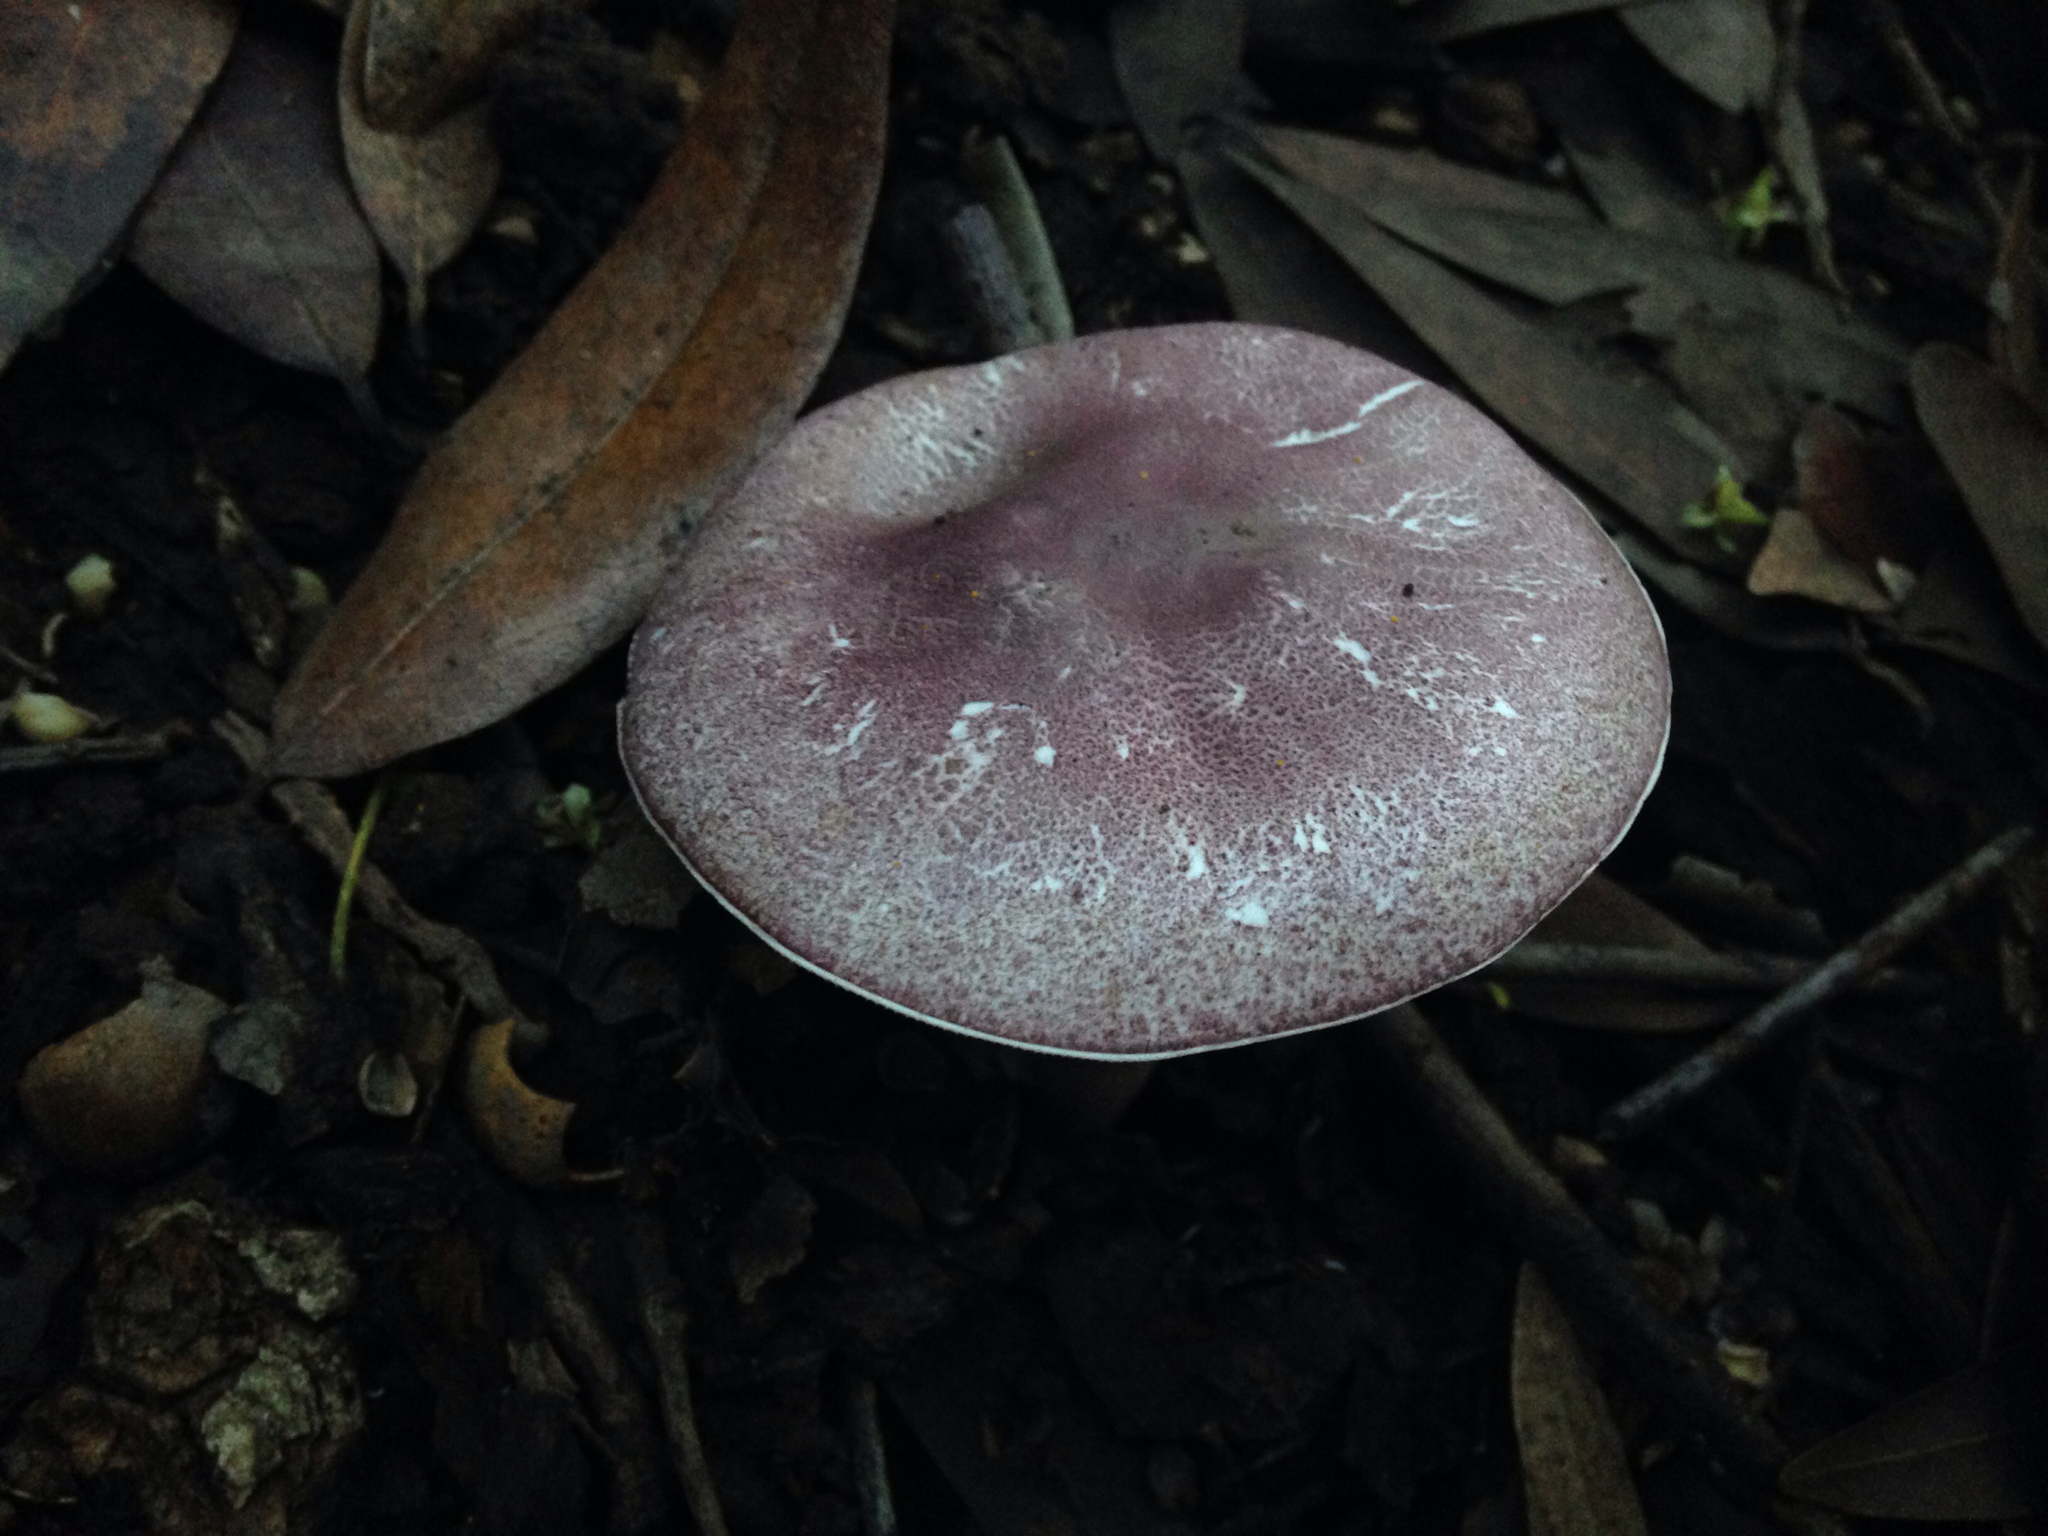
x=123, y=1090
x=93, y=97
x=1575, y=1473
x=521, y=1129
x=424, y=190
x=252, y=227
x=423, y=58
x=1995, y=444
x=536, y=535
x=1798, y=560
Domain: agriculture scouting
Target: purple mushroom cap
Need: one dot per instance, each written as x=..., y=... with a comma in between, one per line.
x=1148, y=693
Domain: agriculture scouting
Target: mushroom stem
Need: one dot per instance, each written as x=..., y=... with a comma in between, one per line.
x=1670, y=1366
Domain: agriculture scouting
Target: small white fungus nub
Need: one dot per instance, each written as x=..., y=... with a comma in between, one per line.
x=1147, y=693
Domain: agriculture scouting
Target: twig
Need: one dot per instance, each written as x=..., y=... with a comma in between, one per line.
x=992, y=166
x=1919, y=79
x=1652, y=1102
x=621, y=1415
x=989, y=282
x=664, y=1323
x=870, y=1463
x=1791, y=136
x=1686, y=972
x=1670, y=1366
x=146, y=747
x=310, y=808
x=27, y=668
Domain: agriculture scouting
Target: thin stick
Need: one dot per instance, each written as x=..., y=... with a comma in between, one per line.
x=1671, y=1366
x=1684, y=971
x=1643, y=1108
x=870, y=1464
x=147, y=747
x=626, y=1432
x=992, y=166
x=351, y=873
x=989, y=282
x=664, y=1324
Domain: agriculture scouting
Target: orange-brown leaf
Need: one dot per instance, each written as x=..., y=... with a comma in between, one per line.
x=93, y=97
x=536, y=535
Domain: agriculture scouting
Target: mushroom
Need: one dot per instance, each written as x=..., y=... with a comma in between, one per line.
x=1149, y=693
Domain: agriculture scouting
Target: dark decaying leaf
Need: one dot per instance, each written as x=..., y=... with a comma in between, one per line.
x=1546, y=244
x=1995, y=444
x=424, y=191
x=1575, y=1472
x=423, y=58
x=1721, y=48
x=1614, y=157
x=1957, y=609
x=1177, y=60
x=93, y=97
x=534, y=537
x=1469, y=18
x=252, y=227
x=1624, y=436
x=1952, y=1452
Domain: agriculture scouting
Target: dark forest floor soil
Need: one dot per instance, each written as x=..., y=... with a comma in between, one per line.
x=1261, y=1303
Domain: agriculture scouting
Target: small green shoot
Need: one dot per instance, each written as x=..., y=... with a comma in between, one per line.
x=337, y=943
x=1750, y=213
x=1723, y=510
x=572, y=819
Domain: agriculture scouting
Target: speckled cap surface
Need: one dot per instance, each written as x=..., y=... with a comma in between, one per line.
x=1147, y=693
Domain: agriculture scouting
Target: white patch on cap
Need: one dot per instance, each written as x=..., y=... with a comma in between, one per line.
x=1044, y=754
x=1506, y=710
x=1359, y=654
x=854, y=732
x=1304, y=436
x=1250, y=914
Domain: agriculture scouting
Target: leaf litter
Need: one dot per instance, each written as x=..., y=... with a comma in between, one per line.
x=425, y=189
x=534, y=536
x=93, y=99
x=252, y=227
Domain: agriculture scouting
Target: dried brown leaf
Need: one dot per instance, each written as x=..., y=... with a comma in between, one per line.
x=1952, y=1452
x=535, y=536
x=1575, y=1473
x=252, y=227
x=1624, y=435
x=1995, y=444
x=93, y=98
x=425, y=191
x=1798, y=560
x=423, y=58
